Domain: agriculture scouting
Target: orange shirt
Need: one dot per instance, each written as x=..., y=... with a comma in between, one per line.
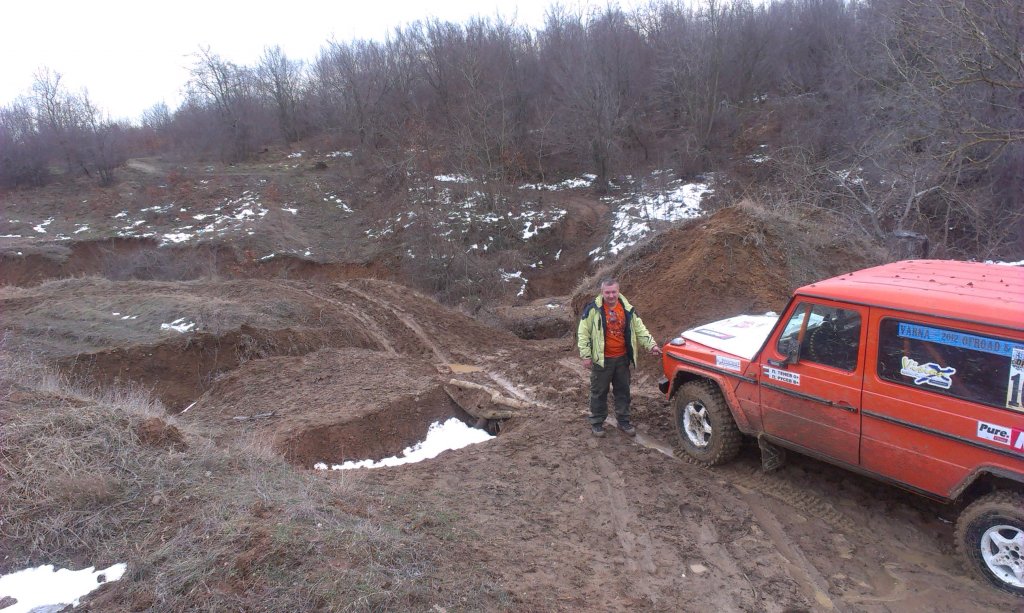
x=615, y=331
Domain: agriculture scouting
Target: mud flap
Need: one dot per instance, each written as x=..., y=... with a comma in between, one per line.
x=772, y=456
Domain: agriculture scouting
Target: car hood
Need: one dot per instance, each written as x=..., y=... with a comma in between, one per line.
x=741, y=336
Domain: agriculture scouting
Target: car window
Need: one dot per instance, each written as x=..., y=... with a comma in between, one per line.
x=824, y=335
x=966, y=365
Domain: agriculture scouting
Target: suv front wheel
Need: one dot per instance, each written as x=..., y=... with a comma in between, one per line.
x=990, y=536
x=704, y=424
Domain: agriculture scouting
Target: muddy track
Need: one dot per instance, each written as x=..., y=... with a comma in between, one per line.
x=753, y=478
x=397, y=312
x=371, y=325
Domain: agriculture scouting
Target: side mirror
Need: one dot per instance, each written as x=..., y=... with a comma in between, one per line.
x=792, y=349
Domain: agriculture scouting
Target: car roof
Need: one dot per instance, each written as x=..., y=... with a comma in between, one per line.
x=965, y=291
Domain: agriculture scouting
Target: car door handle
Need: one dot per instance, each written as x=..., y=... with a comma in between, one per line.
x=845, y=406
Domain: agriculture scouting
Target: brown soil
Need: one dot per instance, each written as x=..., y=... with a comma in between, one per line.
x=156, y=432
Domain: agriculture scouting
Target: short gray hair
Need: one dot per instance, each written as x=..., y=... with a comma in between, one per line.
x=609, y=281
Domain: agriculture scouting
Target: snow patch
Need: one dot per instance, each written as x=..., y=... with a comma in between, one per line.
x=41, y=227
x=452, y=434
x=45, y=589
x=453, y=178
x=181, y=325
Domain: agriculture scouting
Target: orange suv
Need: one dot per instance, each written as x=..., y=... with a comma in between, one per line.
x=912, y=373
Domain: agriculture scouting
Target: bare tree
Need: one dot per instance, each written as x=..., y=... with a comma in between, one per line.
x=280, y=79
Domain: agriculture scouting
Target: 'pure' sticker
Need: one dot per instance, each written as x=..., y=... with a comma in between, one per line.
x=1003, y=435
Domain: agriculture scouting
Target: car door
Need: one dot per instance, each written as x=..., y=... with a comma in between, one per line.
x=812, y=371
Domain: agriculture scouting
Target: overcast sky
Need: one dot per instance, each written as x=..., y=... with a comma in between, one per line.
x=133, y=54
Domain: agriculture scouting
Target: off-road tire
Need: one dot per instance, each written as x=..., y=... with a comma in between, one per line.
x=725, y=438
x=997, y=508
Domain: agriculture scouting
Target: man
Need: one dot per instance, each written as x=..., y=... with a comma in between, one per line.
x=609, y=335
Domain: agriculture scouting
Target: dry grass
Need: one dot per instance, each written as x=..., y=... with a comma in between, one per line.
x=201, y=527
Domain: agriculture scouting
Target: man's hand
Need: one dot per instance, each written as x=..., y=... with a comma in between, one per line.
x=587, y=363
x=655, y=350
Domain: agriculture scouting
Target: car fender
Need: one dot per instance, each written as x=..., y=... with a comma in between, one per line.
x=983, y=473
x=683, y=373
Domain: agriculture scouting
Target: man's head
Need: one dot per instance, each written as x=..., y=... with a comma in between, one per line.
x=610, y=291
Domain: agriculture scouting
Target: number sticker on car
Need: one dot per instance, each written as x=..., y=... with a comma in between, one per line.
x=1015, y=387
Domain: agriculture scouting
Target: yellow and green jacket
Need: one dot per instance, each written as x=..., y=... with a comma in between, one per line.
x=590, y=333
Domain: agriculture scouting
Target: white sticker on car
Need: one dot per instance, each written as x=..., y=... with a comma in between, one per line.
x=928, y=373
x=1015, y=387
x=1004, y=435
x=783, y=376
x=727, y=363
x=994, y=432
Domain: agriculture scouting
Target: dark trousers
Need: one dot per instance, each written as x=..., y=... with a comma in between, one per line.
x=615, y=374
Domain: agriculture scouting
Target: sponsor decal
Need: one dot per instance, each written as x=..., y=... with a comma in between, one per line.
x=1010, y=437
x=928, y=373
x=782, y=376
x=715, y=333
x=727, y=363
x=961, y=340
x=1015, y=387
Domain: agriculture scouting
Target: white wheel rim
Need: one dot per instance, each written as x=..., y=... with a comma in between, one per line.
x=1002, y=548
x=696, y=424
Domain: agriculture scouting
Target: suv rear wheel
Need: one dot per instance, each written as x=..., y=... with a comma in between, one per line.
x=704, y=424
x=990, y=536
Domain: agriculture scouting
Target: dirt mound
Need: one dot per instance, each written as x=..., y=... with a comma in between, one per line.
x=331, y=405
x=177, y=370
x=155, y=432
x=742, y=259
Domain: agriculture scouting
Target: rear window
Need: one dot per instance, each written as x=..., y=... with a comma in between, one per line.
x=975, y=367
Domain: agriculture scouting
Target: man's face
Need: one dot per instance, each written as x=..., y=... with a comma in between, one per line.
x=610, y=293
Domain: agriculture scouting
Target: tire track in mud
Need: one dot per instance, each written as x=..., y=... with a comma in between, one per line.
x=607, y=485
x=440, y=354
x=370, y=323
x=807, y=575
x=754, y=479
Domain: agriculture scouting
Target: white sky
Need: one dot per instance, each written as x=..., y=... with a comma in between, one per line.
x=131, y=55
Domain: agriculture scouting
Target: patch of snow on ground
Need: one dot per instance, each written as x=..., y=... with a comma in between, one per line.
x=510, y=277
x=45, y=589
x=453, y=178
x=335, y=154
x=292, y=211
x=297, y=154
x=10, y=236
x=636, y=215
x=179, y=237
x=179, y=325
x=1020, y=263
x=41, y=228
x=332, y=197
x=157, y=208
x=452, y=434
x=581, y=182
x=81, y=228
